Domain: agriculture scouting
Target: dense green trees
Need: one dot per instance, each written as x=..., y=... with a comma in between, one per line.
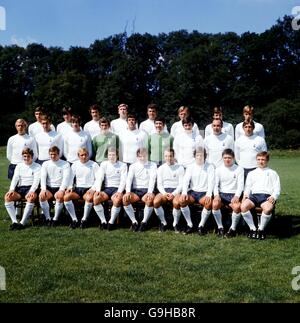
x=179, y=68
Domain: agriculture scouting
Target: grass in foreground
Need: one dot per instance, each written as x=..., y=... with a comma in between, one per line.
x=62, y=265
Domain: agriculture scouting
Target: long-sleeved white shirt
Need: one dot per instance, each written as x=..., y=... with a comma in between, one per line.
x=227, y=128
x=170, y=176
x=263, y=181
x=73, y=141
x=84, y=174
x=199, y=178
x=130, y=142
x=149, y=127
x=141, y=176
x=177, y=128
x=63, y=128
x=36, y=127
x=93, y=128
x=26, y=175
x=215, y=145
x=246, y=149
x=55, y=174
x=46, y=140
x=15, y=146
x=258, y=130
x=118, y=126
x=229, y=180
x=184, y=146
x=113, y=175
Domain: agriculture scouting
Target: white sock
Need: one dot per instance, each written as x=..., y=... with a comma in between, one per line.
x=100, y=212
x=57, y=210
x=115, y=211
x=71, y=210
x=46, y=209
x=187, y=215
x=86, y=210
x=11, y=210
x=161, y=215
x=249, y=220
x=147, y=213
x=218, y=217
x=176, y=216
x=264, y=220
x=130, y=212
x=235, y=218
x=204, y=216
x=27, y=212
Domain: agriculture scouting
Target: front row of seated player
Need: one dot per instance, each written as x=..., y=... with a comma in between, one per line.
x=200, y=183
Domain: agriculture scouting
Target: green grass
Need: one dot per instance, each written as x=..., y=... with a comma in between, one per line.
x=61, y=265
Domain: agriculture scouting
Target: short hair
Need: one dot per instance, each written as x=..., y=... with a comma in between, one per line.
x=123, y=105
x=27, y=151
x=21, y=121
x=183, y=108
x=82, y=149
x=104, y=120
x=46, y=117
x=219, y=120
x=249, y=109
x=131, y=116
x=141, y=150
x=54, y=149
x=67, y=110
x=112, y=149
x=152, y=106
x=217, y=110
x=160, y=119
x=264, y=154
x=39, y=109
x=251, y=122
x=188, y=119
x=200, y=150
x=94, y=107
x=170, y=150
x=76, y=118
x=229, y=152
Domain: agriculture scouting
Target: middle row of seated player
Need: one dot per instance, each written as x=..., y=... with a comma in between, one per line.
x=85, y=179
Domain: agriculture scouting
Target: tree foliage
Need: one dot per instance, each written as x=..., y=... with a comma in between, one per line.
x=179, y=68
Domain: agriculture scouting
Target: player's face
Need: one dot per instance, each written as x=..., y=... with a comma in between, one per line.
x=76, y=126
x=95, y=115
x=228, y=160
x=262, y=161
x=104, y=127
x=83, y=157
x=199, y=157
x=112, y=156
x=46, y=125
x=188, y=127
x=143, y=157
x=38, y=116
x=159, y=126
x=183, y=114
x=217, y=128
x=54, y=156
x=27, y=159
x=123, y=112
x=67, y=117
x=21, y=128
x=152, y=114
x=248, y=129
x=247, y=116
x=169, y=158
x=131, y=123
